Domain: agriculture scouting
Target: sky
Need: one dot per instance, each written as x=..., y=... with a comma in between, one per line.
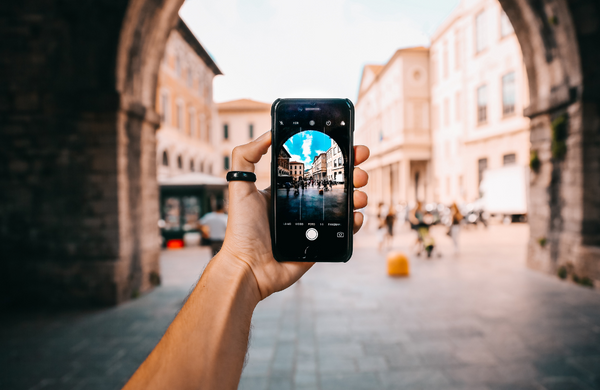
x=306, y=48
x=304, y=146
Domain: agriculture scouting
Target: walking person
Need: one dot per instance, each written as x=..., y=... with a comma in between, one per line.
x=213, y=226
x=457, y=217
x=389, y=221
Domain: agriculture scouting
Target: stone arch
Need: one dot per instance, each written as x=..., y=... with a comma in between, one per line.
x=559, y=43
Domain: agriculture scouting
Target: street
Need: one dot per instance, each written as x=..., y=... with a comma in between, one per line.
x=308, y=205
x=476, y=320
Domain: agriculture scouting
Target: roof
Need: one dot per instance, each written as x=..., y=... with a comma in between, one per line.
x=296, y=162
x=374, y=68
x=243, y=105
x=191, y=179
x=191, y=40
x=375, y=71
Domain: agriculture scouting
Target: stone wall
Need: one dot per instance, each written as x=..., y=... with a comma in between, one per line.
x=558, y=39
x=78, y=193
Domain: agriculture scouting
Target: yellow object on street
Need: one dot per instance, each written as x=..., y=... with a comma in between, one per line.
x=397, y=264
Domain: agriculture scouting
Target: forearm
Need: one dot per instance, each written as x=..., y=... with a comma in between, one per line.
x=206, y=344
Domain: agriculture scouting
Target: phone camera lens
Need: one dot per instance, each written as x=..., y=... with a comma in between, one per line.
x=312, y=123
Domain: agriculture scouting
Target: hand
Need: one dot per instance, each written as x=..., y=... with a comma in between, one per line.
x=248, y=237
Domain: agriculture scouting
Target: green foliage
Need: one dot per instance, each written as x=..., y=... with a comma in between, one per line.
x=559, y=137
x=135, y=293
x=586, y=282
x=534, y=161
x=562, y=272
x=542, y=241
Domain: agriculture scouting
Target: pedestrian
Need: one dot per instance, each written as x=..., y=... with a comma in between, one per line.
x=287, y=187
x=389, y=220
x=381, y=228
x=415, y=218
x=213, y=226
x=454, y=231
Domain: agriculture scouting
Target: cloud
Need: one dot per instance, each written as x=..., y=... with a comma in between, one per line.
x=307, y=148
x=296, y=157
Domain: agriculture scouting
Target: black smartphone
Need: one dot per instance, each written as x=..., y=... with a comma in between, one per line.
x=312, y=157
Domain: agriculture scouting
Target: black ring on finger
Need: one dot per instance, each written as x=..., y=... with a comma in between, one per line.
x=241, y=176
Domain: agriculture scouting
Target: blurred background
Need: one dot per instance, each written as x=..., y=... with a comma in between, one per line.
x=478, y=266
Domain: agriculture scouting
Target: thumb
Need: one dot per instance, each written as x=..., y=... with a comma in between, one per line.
x=245, y=156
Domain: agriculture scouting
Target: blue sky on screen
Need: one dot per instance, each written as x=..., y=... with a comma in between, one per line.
x=304, y=146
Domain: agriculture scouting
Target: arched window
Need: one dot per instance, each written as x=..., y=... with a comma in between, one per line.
x=192, y=168
x=179, y=162
x=165, y=159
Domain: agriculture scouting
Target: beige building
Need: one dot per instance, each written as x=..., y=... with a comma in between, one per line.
x=392, y=118
x=185, y=102
x=478, y=92
x=297, y=170
x=239, y=122
x=319, y=167
x=335, y=164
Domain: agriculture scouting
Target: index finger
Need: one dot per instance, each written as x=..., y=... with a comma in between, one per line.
x=361, y=154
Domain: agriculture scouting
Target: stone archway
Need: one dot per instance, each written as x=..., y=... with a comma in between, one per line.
x=77, y=149
x=77, y=143
x=559, y=42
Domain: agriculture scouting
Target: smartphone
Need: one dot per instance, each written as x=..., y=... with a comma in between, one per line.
x=312, y=161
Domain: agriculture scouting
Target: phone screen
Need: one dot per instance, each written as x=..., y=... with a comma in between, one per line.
x=312, y=179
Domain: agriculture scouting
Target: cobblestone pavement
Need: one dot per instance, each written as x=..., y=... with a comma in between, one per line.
x=477, y=320
x=309, y=205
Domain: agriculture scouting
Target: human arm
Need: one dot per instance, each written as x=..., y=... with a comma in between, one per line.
x=206, y=344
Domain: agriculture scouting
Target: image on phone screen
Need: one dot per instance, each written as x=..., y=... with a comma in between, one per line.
x=310, y=180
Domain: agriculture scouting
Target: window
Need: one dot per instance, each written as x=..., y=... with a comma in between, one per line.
x=482, y=104
x=445, y=64
x=179, y=115
x=201, y=166
x=165, y=159
x=339, y=161
x=192, y=168
x=509, y=159
x=202, y=134
x=506, y=27
x=251, y=130
x=210, y=170
x=226, y=163
x=179, y=162
x=508, y=93
x=435, y=118
x=457, y=49
x=164, y=108
x=190, y=80
x=200, y=85
x=448, y=185
x=480, y=32
x=178, y=66
x=225, y=131
x=446, y=112
x=192, y=121
x=457, y=105
x=482, y=164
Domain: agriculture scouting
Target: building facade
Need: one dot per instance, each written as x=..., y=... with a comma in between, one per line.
x=239, y=122
x=297, y=170
x=319, y=167
x=185, y=140
x=283, y=162
x=335, y=164
x=478, y=92
x=392, y=117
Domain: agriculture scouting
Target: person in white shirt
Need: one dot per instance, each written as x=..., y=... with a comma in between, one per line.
x=213, y=226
